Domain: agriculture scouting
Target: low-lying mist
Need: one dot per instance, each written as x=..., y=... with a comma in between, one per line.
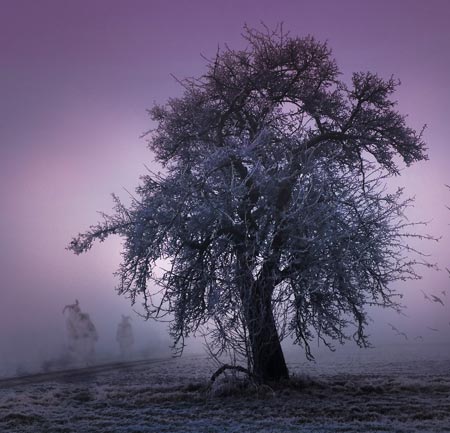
x=65, y=340
x=34, y=335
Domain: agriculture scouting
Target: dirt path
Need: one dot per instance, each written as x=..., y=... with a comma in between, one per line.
x=77, y=374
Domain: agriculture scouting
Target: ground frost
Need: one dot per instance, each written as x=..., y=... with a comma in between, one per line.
x=150, y=398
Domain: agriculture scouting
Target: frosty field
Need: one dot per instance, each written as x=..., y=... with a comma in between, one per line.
x=351, y=393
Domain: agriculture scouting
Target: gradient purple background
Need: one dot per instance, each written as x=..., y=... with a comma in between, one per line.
x=75, y=80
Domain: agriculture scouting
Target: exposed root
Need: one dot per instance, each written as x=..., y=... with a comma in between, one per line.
x=225, y=367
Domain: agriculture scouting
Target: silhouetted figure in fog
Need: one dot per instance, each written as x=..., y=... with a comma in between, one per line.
x=81, y=334
x=124, y=336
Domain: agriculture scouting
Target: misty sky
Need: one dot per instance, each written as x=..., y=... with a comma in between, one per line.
x=76, y=78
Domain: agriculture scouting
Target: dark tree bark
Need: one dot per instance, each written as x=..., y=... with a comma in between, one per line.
x=267, y=355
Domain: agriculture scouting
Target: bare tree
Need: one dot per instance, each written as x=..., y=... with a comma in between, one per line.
x=272, y=210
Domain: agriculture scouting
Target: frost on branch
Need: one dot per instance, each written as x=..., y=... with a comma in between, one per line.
x=273, y=211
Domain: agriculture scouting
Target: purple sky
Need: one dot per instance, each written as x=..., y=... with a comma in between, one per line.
x=75, y=80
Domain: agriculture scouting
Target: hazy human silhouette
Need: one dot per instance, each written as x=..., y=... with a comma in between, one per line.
x=124, y=336
x=81, y=334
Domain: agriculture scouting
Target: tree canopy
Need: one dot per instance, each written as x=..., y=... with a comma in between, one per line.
x=272, y=209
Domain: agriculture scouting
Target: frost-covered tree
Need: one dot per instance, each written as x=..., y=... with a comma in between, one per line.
x=271, y=212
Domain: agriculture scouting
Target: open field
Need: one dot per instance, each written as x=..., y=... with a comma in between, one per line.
x=172, y=396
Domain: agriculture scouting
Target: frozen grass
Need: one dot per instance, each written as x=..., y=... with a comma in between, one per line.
x=173, y=396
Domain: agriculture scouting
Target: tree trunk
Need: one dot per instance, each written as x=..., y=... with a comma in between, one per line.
x=268, y=359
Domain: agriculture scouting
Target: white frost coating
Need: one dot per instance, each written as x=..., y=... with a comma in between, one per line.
x=81, y=334
x=373, y=396
x=124, y=336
